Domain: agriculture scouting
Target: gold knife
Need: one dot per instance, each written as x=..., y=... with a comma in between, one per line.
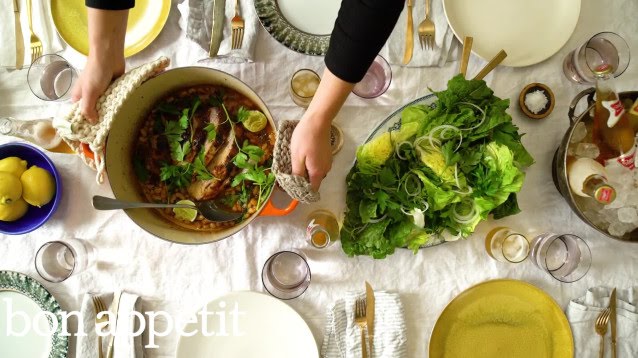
x=612, y=313
x=370, y=315
x=19, y=37
x=409, y=40
x=115, y=308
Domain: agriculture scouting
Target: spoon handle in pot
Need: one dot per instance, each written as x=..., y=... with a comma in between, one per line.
x=104, y=203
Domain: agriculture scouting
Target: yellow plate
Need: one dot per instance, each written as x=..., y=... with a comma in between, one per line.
x=145, y=21
x=502, y=318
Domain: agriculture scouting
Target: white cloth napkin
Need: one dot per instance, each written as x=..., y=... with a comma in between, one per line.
x=196, y=21
x=42, y=26
x=446, y=46
x=582, y=313
x=125, y=344
x=342, y=337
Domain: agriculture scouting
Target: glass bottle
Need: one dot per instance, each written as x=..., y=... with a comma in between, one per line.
x=322, y=228
x=612, y=131
x=39, y=131
x=588, y=178
x=632, y=112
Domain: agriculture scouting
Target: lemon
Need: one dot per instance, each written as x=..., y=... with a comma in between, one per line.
x=185, y=214
x=255, y=121
x=13, y=165
x=38, y=186
x=13, y=211
x=10, y=188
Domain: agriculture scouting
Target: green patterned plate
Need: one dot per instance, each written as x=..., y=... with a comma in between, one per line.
x=300, y=25
x=27, y=312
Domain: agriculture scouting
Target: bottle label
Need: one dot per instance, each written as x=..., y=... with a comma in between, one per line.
x=627, y=160
x=616, y=110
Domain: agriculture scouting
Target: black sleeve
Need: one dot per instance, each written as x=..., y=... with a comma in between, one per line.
x=110, y=4
x=361, y=29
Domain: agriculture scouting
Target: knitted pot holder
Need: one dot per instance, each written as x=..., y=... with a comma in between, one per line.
x=296, y=186
x=75, y=130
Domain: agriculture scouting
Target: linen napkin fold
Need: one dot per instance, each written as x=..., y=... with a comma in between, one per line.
x=583, y=311
x=126, y=345
x=342, y=337
x=196, y=20
x=42, y=26
x=446, y=45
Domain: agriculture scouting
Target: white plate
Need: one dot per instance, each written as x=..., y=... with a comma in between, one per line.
x=315, y=17
x=269, y=328
x=27, y=314
x=529, y=31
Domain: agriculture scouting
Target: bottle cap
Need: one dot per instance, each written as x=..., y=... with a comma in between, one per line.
x=604, y=69
x=604, y=194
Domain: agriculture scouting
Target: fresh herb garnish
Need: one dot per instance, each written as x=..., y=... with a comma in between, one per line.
x=248, y=159
x=211, y=132
x=242, y=114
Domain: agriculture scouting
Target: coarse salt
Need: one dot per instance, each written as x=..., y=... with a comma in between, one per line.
x=536, y=101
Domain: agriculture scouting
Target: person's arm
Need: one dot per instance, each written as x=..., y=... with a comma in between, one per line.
x=107, y=30
x=361, y=29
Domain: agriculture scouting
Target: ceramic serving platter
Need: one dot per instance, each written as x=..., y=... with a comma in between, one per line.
x=301, y=25
x=23, y=303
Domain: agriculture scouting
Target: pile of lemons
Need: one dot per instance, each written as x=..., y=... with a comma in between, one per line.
x=21, y=187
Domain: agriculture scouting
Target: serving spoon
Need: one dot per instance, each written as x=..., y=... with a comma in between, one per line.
x=208, y=209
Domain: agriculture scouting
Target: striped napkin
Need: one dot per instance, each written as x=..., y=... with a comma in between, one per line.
x=342, y=337
x=583, y=311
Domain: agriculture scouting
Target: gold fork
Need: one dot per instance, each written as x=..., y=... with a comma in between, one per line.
x=426, y=29
x=36, y=44
x=601, y=329
x=360, y=320
x=237, y=26
x=99, y=307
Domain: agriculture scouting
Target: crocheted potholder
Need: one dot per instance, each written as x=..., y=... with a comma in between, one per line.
x=296, y=186
x=76, y=130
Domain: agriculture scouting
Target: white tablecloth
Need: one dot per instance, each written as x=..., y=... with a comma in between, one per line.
x=177, y=278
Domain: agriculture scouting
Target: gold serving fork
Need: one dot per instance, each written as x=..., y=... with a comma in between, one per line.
x=99, y=307
x=237, y=26
x=426, y=29
x=36, y=44
x=361, y=321
x=601, y=329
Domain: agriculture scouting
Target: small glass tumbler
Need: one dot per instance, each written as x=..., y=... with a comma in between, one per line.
x=506, y=245
x=303, y=85
x=56, y=261
x=376, y=80
x=286, y=275
x=322, y=228
x=603, y=50
x=51, y=77
x=564, y=256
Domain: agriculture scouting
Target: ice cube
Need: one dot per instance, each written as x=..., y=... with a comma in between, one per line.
x=632, y=197
x=627, y=215
x=579, y=133
x=587, y=150
x=617, y=229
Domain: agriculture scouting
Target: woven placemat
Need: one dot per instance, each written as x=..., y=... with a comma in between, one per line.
x=76, y=130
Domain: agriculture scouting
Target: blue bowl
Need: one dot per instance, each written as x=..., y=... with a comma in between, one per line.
x=35, y=216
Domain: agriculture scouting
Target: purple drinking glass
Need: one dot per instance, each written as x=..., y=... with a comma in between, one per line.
x=376, y=81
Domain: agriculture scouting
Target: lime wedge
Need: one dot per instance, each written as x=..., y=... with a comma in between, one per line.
x=255, y=121
x=185, y=214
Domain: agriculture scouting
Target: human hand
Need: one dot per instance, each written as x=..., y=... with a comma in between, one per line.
x=93, y=81
x=310, y=150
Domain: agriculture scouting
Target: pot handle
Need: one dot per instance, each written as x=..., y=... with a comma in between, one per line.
x=572, y=106
x=271, y=210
